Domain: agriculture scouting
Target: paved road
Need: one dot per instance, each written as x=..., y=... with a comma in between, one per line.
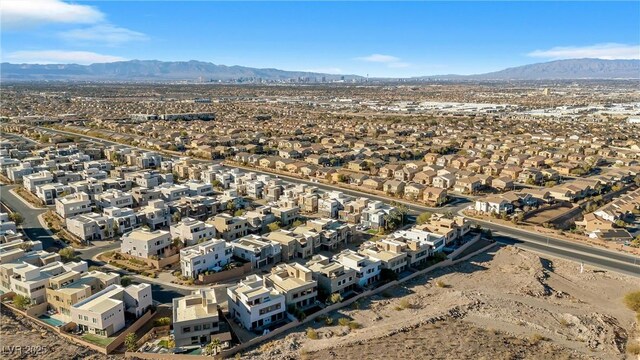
x=568, y=249
x=31, y=226
x=564, y=253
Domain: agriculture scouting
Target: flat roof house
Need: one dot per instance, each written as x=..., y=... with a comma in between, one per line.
x=144, y=243
x=254, y=305
x=72, y=205
x=195, y=318
x=103, y=312
x=211, y=254
x=332, y=277
x=191, y=231
x=71, y=287
x=230, y=227
x=367, y=269
x=259, y=251
x=296, y=282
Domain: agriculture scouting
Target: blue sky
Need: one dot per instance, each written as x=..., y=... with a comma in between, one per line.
x=394, y=39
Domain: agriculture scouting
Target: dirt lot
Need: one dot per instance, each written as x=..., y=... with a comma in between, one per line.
x=507, y=304
x=546, y=215
x=17, y=331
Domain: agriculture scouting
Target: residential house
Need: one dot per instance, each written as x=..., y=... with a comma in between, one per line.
x=212, y=254
x=296, y=283
x=254, y=305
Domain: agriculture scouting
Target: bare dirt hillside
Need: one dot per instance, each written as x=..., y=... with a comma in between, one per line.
x=506, y=304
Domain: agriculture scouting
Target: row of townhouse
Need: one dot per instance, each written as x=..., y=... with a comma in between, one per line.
x=571, y=191
x=602, y=223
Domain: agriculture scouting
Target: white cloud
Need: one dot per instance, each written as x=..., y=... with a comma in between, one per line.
x=392, y=62
x=379, y=58
x=31, y=13
x=60, y=57
x=106, y=33
x=608, y=51
x=330, y=70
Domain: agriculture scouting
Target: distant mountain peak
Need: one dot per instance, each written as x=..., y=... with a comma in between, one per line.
x=570, y=69
x=155, y=70
x=152, y=70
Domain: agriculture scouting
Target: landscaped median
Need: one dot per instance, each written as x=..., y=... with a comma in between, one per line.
x=128, y=263
x=57, y=226
x=28, y=197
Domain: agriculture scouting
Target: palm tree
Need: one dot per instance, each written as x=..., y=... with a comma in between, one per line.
x=213, y=347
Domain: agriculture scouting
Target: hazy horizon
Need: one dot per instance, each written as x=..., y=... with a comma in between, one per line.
x=377, y=39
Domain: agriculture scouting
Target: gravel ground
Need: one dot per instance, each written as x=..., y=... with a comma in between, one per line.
x=506, y=304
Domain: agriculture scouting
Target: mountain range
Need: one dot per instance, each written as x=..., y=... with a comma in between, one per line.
x=154, y=70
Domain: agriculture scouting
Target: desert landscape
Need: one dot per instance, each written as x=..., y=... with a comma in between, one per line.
x=505, y=304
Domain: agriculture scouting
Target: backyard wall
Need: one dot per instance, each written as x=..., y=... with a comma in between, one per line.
x=225, y=275
x=154, y=333
x=131, y=329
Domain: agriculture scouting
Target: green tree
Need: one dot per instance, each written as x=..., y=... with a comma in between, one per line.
x=392, y=220
x=21, y=302
x=126, y=281
x=16, y=218
x=176, y=217
x=423, y=218
x=274, y=226
x=130, y=341
x=231, y=206
x=296, y=223
x=67, y=254
x=216, y=184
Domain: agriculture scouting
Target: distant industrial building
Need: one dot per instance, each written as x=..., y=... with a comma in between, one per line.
x=206, y=116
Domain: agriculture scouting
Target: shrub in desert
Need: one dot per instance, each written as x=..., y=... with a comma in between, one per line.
x=312, y=334
x=406, y=304
x=343, y=322
x=632, y=300
x=536, y=338
x=354, y=325
x=633, y=348
x=441, y=284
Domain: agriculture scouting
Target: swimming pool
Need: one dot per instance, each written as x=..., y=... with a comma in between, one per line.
x=51, y=321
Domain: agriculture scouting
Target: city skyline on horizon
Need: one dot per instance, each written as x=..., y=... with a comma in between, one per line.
x=416, y=39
